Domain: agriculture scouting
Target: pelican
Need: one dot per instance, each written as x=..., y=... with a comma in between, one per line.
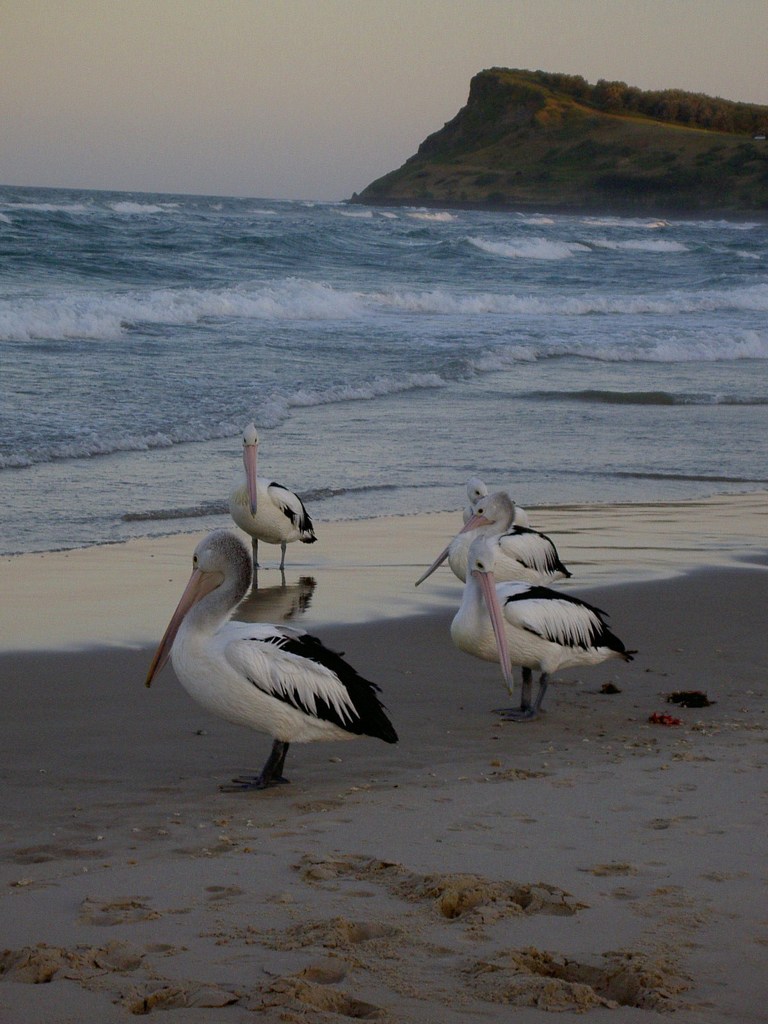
x=275, y=679
x=521, y=553
x=266, y=510
x=530, y=626
x=477, y=489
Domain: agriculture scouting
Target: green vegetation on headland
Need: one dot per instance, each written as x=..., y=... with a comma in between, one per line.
x=532, y=139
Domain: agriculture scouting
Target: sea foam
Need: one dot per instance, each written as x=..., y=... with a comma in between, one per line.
x=439, y=217
x=660, y=245
x=95, y=315
x=529, y=248
x=130, y=208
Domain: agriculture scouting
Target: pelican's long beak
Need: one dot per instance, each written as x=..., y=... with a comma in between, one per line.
x=250, y=455
x=438, y=561
x=488, y=587
x=200, y=584
x=471, y=524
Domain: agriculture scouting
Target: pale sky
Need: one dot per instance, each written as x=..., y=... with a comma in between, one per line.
x=314, y=99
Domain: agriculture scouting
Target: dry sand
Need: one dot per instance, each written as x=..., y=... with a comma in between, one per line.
x=590, y=862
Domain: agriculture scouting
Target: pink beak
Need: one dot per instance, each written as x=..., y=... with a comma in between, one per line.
x=250, y=455
x=488, y=587
x=199, y=585
x=471, y=524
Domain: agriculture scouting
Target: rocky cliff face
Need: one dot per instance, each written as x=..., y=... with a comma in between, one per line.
x=555, y=142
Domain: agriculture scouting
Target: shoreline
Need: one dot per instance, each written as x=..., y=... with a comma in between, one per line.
x=563, y=209
x=360, y=570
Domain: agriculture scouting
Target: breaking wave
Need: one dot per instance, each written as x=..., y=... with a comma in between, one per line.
x=530, y=248
x=142, y=209
x=661, y=245
x=95, y=315
x=698, y=349
x=439, y=217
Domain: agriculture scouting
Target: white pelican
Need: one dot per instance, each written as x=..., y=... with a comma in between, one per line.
x=276, y=679
x=266, y=510
x=529, y=626
x=477, y=489
x=521, y=553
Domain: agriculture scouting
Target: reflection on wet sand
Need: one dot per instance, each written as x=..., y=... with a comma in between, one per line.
x=367, y=567
x=277, y=604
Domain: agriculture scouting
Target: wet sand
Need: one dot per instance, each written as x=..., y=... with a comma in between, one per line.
x=590, y=861
x=359, y=571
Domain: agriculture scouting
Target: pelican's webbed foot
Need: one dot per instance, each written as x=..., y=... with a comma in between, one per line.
x=517, y=714
x=527, y=711
x=270, y=775
x=244, y=782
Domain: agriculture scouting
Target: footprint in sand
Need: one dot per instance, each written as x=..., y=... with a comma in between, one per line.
x=452, y=894
x=38, y=965
x=113, y=912
x=532, y=977
x=336, y=933
x=298, y=992
x=112, y=968
x=178, y=997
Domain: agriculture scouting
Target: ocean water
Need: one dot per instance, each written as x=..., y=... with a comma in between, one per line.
x=385, y=356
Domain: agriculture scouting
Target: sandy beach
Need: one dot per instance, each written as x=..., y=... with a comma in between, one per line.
x=604, y=861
